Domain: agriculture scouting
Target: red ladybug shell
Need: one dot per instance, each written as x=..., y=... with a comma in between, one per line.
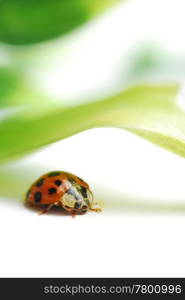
x=50, y=187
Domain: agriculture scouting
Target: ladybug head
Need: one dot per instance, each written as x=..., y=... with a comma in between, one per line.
x=77, y=198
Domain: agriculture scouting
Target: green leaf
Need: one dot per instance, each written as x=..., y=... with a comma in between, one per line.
x=152, y=63
x=9, y=83
x=15, y=91
x=26, y=22
x=151, y=112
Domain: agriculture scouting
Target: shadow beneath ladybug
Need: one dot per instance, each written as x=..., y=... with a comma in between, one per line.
x=54, y=211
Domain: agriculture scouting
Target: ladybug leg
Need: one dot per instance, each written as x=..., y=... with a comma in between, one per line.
x=73, y=214
x=96, y=209
x=46, y=209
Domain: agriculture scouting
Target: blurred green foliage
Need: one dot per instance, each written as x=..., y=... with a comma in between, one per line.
x=9, y=83
x=32, y=21
x=152, y=63
x=25, y=22
x=145, y=60
x=15, y=91
x=150, y=111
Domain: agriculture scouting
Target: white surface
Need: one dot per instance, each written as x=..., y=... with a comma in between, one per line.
x=92, y=245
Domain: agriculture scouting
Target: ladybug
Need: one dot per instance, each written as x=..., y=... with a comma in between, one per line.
x=61, y=189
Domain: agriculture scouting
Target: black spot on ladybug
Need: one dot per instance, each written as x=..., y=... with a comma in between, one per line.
x=51, y=191
x=38, y=196
x=84, y=191
x=78, y=204
x=84, y=207
x=58, y=182
x=56, y=173
x=72, y=192
x=40, y=182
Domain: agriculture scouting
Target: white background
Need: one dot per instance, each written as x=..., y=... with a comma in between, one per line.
x=141, y=229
